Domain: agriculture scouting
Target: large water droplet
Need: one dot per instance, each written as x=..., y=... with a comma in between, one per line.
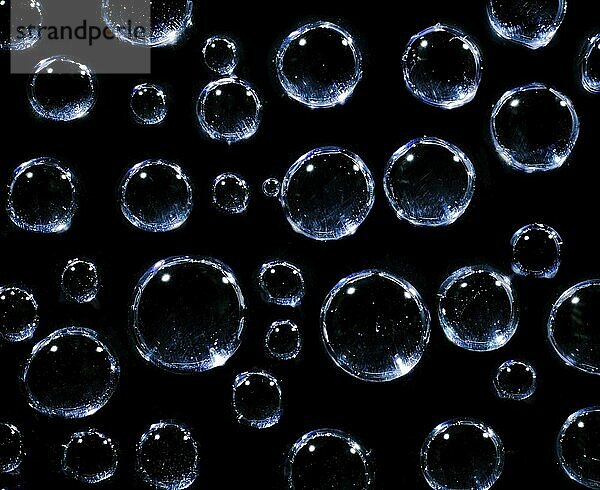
x=167, y=456
x=375, y=325
x=536, y=251
x=188, y=314
x=156, y=196
x=462, y=454
x=229, y=110
x=230, y=193
x=283, y=340
x=89, y=457
x=327, y=193
x=573, y=326
x=281, y=283
x=12, y=449
x=79, y=281
x=590, y=65
x=319, y=65
x=429, y=182
x=534, y=128
x=477, y=308
x=531, y=23
x=326, y=459
x=18, y=314
x=442, y=67
x=515, y=380
x=15, y=14
x=148, y=22
x=220, y=55
x=578, y=447
x=148, y=103
x=62, y=89
x=42, y=196
x=71, y=374
x=257, y=399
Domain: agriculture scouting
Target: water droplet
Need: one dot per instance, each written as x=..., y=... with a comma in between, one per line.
x=79, y=281
x=62, y=89
x=11, y=448
x=429, y=182
x=319, y=65
x=148, y=103
x=327, y=193
x=257, y=399
x=188, y=314
x=375, y=325
x=148, y=22
x=590, y=65
x=477, y=308
x=536, y=251
x=530, y=23
x=327, y=459
x=230, y=193
x=42, y=196
x=89, y=457
x=18, y=314
x=167, y=456
x=229, y=110
x=283, y=340
x=271, y=187
x=281, y=283
x=156, y=196
x=573, y=327
x=534, y=128
x=442, y=67
x=17, y=13
x=462, y=454
x=515, y=380
x=71, y=374
x=220, y=55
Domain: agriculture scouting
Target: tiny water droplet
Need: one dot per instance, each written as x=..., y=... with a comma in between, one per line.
x=12, y=449
x=79, y=281
x=15, y=14
x=220, y=55
x=148, y=103
x=271, y=187
x=536, y=251
x=281, y=283
x=257, y=399
x=89, y=457
x=283, y=340
x=230, y=193
x=18, y=314
x=515, y=380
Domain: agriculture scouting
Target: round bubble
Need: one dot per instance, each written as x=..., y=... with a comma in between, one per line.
x=89, y=457
x=281, y=283
x=220, y=55
x=148, y=103
x=17, y=13
x=271, y=187
x=19, y=316
x=79, y=281
x=515, y=380
x=590, y=65
x=536, y=251
x=12, y=449
x=230, y=193
x=283, y=340
x=257, y=399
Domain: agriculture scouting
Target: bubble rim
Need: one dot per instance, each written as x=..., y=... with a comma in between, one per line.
x=291, y=301
x=230, y=67
x=27, y=333
x=548, y=272
x=96, y=477
x=159, y=91
x=17, y=460
x=502, y=393
x=243, y=183
x=28, y=42
x=267, y=422
x=288, y=356
x=94, y=289
x=586, y=81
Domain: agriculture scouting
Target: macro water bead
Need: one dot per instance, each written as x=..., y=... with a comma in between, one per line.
x=281, y=283
x=534, y=128
x=89, y=457
x=19, y=316
x=515, y=380
x=148, y=104
x=220, y=55
x=257, y=399
x=79, y=281
x=442, y=67
x=536, y=250
x=319, y=65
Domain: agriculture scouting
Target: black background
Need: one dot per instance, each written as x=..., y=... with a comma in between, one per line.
x=391, y=418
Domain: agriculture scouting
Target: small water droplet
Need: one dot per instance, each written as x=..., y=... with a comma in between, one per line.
x=89, y=457
x=230, y=193
x=281, y=283
x=18, y=314
x=536, y=251
x=257, y=399
x=12, y=449
x=17, y=13
x=148, y=103
x=271, y=187
x=515, y=380
x=283, y=340
x=79, y=281
x=220, y=55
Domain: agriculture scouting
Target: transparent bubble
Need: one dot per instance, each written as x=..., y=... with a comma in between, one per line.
x=462, y=454
x=281, y=283
x=42, y=196
x=71, y=374
x=327, y=193
x=230, y=194
x=188, y=314
x=18, y=314
x=62, y=89
x=327, y=459
x=257, y=399
x=531, y=23
x=156, y=196
x=375, y=325
x=11, y=448
x=148, y=22
x=271, y=187
x=442, y=67
x=17, y=13
x=167, y=456
x=534, y=128
x=578, y=447
x=89, y=457
x=283, y=340
x=536, y=251
x=319, y=65
x=79, y=281
x=573, y=326
x=515, y=380
x=590, y=65
x=229, y=110
x=148, y=103
x=477, y=308
x=220, y=55
x=429, y=182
